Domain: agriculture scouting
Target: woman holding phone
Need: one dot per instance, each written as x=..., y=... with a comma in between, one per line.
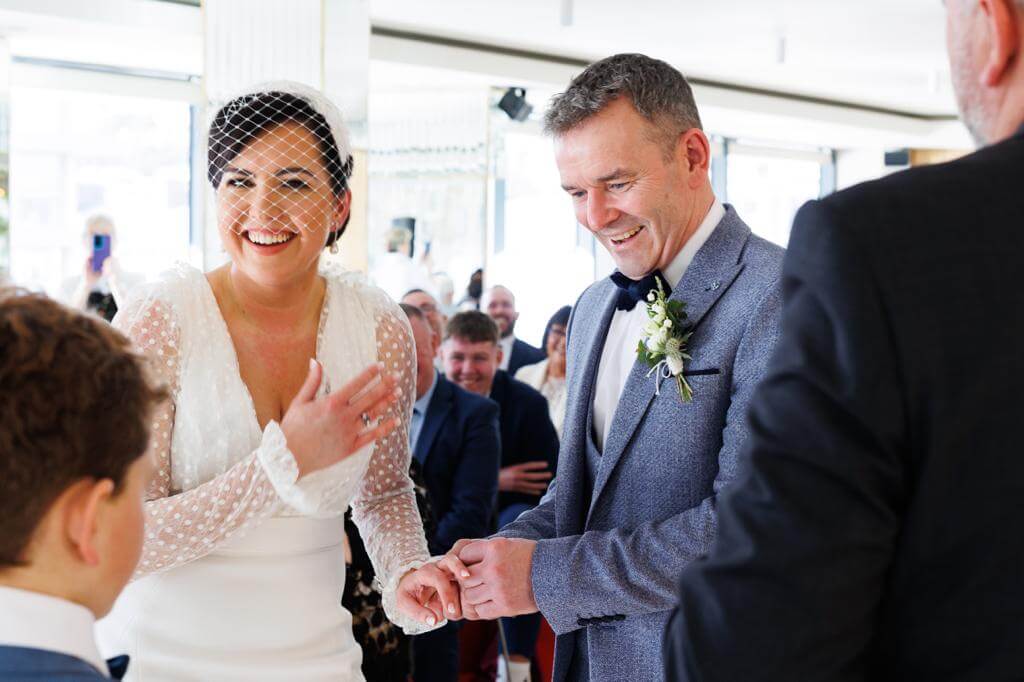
x=102, y=286
x=292, y=389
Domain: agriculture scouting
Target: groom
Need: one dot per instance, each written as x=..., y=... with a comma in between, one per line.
x=639, y=469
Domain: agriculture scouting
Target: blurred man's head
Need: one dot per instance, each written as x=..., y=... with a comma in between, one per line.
x=984, y=39
x=470, y=351
x=428, y=306
x=74, y=425
x=500, y=304
x=427, y=343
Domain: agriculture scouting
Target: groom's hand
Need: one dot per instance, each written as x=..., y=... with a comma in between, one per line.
x=499, y=583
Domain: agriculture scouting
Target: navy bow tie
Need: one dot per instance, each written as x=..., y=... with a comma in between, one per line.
x=633, y=291
x=117, y=666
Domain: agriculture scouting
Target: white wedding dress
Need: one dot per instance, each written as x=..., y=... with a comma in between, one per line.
x=242, y=569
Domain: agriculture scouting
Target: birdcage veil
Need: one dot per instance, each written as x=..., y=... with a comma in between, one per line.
x=278, y=158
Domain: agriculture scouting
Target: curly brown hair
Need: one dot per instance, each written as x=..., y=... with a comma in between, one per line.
x=75, y=403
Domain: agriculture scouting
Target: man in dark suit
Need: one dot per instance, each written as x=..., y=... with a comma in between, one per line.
x=873, y=531
x=529, y=442
x=455, y=442
x=75, y=407
x=500, y=305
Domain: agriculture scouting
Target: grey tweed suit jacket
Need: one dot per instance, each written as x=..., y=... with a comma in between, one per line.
x=605, y=568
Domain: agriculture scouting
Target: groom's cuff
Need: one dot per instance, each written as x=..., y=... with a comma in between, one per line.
x=553, y=576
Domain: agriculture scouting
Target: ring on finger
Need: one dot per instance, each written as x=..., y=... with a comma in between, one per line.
x=366, y=419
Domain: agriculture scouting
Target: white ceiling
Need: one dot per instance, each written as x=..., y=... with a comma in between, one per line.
x=881, y=53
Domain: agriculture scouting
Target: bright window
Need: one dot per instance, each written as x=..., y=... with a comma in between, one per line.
x=767, y=186
x=74, y=154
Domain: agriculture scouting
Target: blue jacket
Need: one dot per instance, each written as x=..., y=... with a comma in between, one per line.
x=527, y=434
x=459, y=452
x=21, y=664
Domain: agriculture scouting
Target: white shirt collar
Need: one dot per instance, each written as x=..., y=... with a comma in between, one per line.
x=677, y=268
x=39, y=621
x=506, y=350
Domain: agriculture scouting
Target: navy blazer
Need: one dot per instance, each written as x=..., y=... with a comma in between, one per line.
x=459, y=452
x=527, y=434
x=22, y=664
x=524, y=354
x=874, y=531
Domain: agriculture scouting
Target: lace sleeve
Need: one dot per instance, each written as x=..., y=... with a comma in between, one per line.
x=385, y=507
x=183, y=526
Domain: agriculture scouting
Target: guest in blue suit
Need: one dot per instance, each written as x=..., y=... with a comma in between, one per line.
x=500, y=305
x=529, y=445
x=455, y=441
x=74, y=425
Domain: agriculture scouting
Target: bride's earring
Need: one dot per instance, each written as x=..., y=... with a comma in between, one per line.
x=333, y=248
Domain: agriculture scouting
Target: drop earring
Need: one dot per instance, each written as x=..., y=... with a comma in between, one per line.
x=333, y=248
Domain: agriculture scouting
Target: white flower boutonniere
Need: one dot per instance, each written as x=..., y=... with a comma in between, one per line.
x=663, y=345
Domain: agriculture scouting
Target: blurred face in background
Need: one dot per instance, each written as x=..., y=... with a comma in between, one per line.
x=428, y=306
x=471, y=365
x=556, y=344
x=500, y=306
x=426, y=349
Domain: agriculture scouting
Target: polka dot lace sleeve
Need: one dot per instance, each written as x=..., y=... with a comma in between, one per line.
x=182, y=526
x=385, y=507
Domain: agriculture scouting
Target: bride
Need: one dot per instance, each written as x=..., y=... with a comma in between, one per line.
x=292, y=388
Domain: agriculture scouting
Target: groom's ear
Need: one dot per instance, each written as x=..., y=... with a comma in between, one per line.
x=693, y=151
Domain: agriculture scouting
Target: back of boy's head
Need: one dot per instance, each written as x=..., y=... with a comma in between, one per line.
x=75, y=404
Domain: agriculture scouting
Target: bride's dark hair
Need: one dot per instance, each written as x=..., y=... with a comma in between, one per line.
x=245, y=118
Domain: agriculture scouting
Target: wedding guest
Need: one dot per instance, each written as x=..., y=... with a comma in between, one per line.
x=548, y=375
x=430, y=308
x=474, y=290
x=445, y=289
x=395, y=271
x=99, y=289
x=75, y=412
x=455, y=440
x=872, y=532
x=529, y=442
x=500, y=304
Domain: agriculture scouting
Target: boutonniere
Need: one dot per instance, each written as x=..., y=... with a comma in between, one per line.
x=663, y=344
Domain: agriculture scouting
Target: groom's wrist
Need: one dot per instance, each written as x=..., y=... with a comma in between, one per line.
x=551, y=580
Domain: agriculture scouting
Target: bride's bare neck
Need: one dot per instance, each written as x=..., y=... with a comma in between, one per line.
x=281, y=306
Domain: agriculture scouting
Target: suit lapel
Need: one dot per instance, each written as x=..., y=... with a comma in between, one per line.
x=437, y=411
x=714, y=268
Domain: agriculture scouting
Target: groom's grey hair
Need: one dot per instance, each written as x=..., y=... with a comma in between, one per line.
x=657, y=90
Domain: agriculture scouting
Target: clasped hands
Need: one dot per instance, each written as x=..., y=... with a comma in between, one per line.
x=476, y=580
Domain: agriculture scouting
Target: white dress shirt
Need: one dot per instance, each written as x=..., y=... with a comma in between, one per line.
x=626, y=327
x=506, y=350
x=39, y=621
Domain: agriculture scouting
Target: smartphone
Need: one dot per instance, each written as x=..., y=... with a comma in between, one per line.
x=100, y=251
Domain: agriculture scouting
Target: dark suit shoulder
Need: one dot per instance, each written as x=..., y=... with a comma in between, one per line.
x=523, y=393
x=470, y=403
x=912, y=204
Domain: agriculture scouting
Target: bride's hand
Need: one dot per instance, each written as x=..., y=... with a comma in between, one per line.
x=429, y=594
x=325, y=430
